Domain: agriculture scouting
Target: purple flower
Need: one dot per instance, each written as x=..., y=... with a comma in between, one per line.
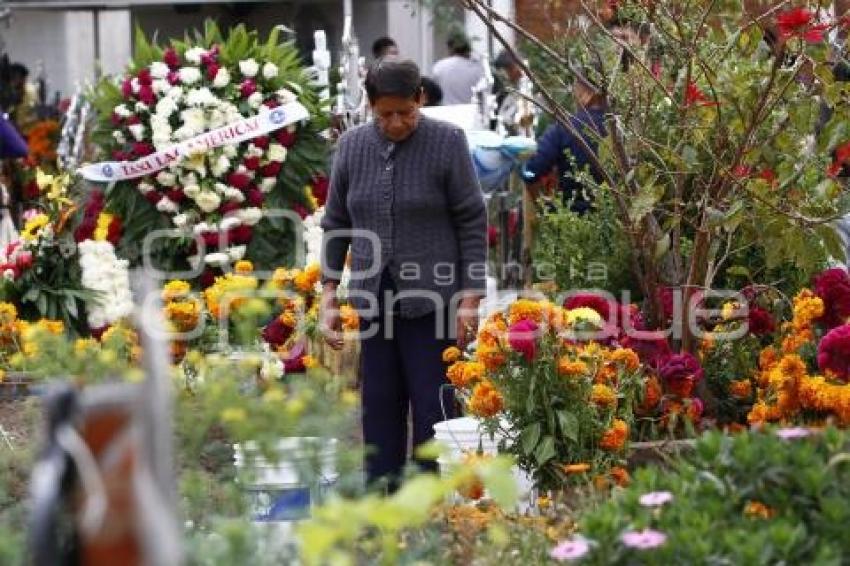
x=643, y=540
x=568, y=550
x=655, y=498
x=793, y=433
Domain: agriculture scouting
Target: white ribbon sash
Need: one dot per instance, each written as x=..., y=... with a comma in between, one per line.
x=231, y=134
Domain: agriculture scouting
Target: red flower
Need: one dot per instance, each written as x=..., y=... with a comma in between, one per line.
x=113, y=233
x=126, y=88
x=652, y=351
x=255, y=197
x=694, y=96
x=797, y=22
x=261, y=142
x=115, y=119
x=31, y=190
x=276, y=333
x=171, y=58
x=492, y=236
x=211, y=239
x=144, y=77
x=133, y=120
x=239, y=180
x=522, y=338
x=300, y=210
x=85, y=231
x=173, y=77
x=229, y=206
x=210, y=57
x=680, y=373
x=252, y=163
x=294, y=360
x=761, y=322
x=176, y=195
x=284, y=137
x=143, y=148
x=834, y=352
x=212, y=71
x=833, y=286
x=207, y=278
x=321, y=187
x=271, y=169
x=598, y=303
x=24, y=260
x=247, y=88
x=271, y=103
x=146, y=95
x=742, y=171
x=153, y=197
x=513, y=222
x=241, y=234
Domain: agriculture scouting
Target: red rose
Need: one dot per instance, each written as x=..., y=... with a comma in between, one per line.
x=24, y=260
x=513, y=222
x=241, y=234
x=153, y=197
x=173, y=78
x=31, y=190
x=522, y=337
x=229, y=206
x=321, y=186
x=85, y=231
x=142, y=148
x=492, y=236
x=834, y=352
x=247, y=88
x=133, y=120
x=261, y=142
x=300, y=210
x=212, y=71
x=207, y=278
x=252, y=163
x=113, y=233
x=144, y=77
x=239, y=180
x=126, y=88
x=171, y=58
x=285, y=138
x=761, y=322
x=118, y=155
x=211, y=239
x=276, y=333
x=680, y=373
x=271, y=169
x=833, y=287
x=255, y=197
x=176, y=195
x=146, y=95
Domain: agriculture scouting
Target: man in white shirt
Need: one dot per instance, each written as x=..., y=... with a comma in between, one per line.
x=458, y=73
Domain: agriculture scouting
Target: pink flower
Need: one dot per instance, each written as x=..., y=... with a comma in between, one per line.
x=171, y=58
x=643, y=540
x=212, y=71
x=24, y=260
x=680, y=373
x=522, y=338
x=655, y=498
x=293, y=362
x=568, y=550
x=793, y=433
x=247, y=88
x=126, y=88
x=834, y=352
x=146, y=95
x=761, y=322
x=173, y=77
x=145, y=77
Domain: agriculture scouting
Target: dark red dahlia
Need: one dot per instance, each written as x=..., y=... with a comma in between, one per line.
x=241, y=234
x=261, y=142
x=229, y=206
x=834, y=353
x=146, y=95
x=176, y=195
x=761, y=321
x=113, y=233
x=212, y=71
x=252, y=163
x=652, y=350
x=153, y=197
x=143, y=148
x=255, y=197
x=833, y=286
x=144, y=77
x=680, y=373
x=276, y=333
x=247, y=88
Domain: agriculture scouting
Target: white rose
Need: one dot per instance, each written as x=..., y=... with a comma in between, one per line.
x=137, y=131
x=183, y=133
x=271, y=369
x=268, y=184
x=166, y=179
x=194, y=54
x=222, y=78
x=160, y=86
x=166, y=107
x=217, y=259
x=207, y=201
x=159, y=70
x=180, y=220
x=255, y=100
x=145, y=188
x=201, y=97
x=253, y=151
x=269, y=70
x=191, y=191
x=122, y=111
x=229, y=223
x=188, y=179
x=193, y=118
x=286, y=96
x=236, y=252
x=119, y=136
x=250, y=216
x=165, y=204
x=220, y=166
x=189, y=75
x=234, y=194
x=249, y=68
x=276, y=153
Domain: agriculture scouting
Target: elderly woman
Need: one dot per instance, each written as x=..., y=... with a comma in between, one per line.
x=405, y=199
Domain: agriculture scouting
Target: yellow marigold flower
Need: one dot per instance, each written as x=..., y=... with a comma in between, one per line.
x=525, y=309
x=606, y=373
x=603, y=396
x=243, y=267
x=807, y=309
x=8, y=313
x=174, y=290
x=627, y=357
x=310, y=362
x=729, y=310
x=486, y=401
x=584, y=314
x=349, y=317
x=451, y=354
x=283, y=276
x=492, y=357
x=758, y=510
x=101, y=230
x=184, y=315
x=55, y=327
x=797, y=340
x=614, y=439
x=579, y=468
x=591, y=350
x=570, y=368
x=792, y=365
x=767, y=357
x=289, y=319
x=233, y=414
x=741, y=389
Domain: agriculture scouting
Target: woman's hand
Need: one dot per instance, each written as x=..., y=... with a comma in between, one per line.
x=330, y=323
x=467, y=320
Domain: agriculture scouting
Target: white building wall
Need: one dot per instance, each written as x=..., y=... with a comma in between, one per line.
x=478, y=33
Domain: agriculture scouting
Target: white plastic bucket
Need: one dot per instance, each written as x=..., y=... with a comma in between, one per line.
x=286, y=490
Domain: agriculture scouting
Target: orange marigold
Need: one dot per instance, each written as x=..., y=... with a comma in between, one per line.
x=652, y=394
x=627, y=357
x=492, y=357
x=243, y=267
x=614, y=438
x=451, y=354
x=463, y=374
x=768, y=357
x=741, y=389
x=603, y=396
x=486, y=401
x=570, y=368
x=758, y=510
x=620, y=476
x=525, y=309
x=349, y=317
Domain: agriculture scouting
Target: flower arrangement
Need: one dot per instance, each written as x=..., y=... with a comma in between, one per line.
x=221, y=195
x=565, y=402
x=108, y=279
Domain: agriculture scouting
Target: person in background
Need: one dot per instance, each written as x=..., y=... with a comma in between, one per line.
x=408, y=182
x=432, y=94
x=25, y=97
x=458, y=74
x=559, y=147
x=384, y=47
x=507, y=76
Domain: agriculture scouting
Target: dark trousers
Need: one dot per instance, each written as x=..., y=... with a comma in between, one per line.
x=400, y=372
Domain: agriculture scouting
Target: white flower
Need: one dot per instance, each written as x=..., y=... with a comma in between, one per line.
x=236, y=252
x=166, y=107
x=201, y=97
x=144, y=187
x=194, y=54
x=119, y=136
x=193, y=118
x=808, y=145
x=160, y=86
x=159, y=70
x=249, y=216
x=122, y=111
x=109, y=280
x=222, y=78
x=230, y=151
x=135, y=85
x=207, y=201
x=189, y=75
x=271, y=369
x=229, y=223
x=9, y=275
x=202, y=227
x=137, y=131
x=167, y=205
x=249, y=68
x=180, y=220
x=286, y=96
x=255, y=100
x=175, y=93
x=276, y=153
x=220, y=166
x=233, y=194
x=183, y=133
x=217, y=259
x=141, y=107
x=270, y=70
x=166, y=179
x=187, y=179
x=253, y=151
x=268, y=184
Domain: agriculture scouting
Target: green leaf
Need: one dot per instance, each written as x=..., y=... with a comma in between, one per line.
x=71, y=306
x=529, y=438
x=545, y=450
x=646, y=199
x=569, y=425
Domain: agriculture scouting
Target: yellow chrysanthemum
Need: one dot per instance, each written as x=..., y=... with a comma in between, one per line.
x=603, y=395
x=184, y=315
x=584, y=314
x=486, y=401
x=349, y=317
x=176, y=289
x=807, y=309
x=627, y=357
x=8, y=313
x=451, y=354
x=243, y=267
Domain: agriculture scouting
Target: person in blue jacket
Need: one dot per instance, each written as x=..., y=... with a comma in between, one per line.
x=558, y=146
